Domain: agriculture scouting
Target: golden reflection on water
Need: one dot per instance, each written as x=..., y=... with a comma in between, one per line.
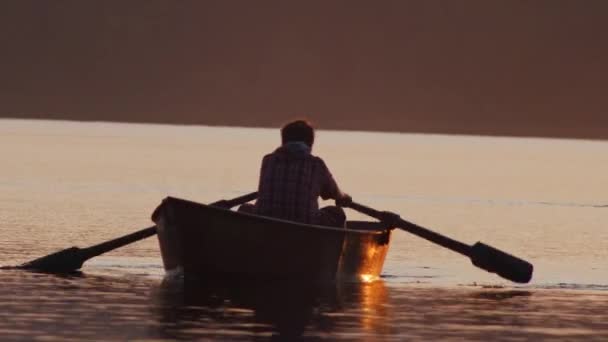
x=374, y=303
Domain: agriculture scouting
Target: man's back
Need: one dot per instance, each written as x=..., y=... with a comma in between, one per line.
x=291, y=181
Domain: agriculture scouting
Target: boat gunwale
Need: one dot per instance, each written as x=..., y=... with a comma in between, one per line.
x=291, y=223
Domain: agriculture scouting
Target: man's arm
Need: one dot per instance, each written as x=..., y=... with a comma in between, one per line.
x=330, y=189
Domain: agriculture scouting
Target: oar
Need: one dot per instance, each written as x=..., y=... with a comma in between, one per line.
x=481, y=255
x=71, y=259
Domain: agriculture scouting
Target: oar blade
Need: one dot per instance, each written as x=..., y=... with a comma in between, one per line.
x=505, y=265
x=64, y=261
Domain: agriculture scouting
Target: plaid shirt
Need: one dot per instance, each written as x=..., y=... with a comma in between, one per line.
x=291, y=182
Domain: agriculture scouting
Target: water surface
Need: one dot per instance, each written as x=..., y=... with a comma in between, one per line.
x=70, y=183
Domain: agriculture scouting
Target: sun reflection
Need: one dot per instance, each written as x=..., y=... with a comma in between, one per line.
x=368, y=278
x=373, y=302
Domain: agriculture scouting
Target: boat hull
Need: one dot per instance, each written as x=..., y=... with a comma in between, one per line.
x=206, y=241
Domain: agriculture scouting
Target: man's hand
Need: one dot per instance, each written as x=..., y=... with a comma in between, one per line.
x=344, y=200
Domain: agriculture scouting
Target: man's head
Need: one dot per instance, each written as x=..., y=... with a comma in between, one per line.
x=299, y=130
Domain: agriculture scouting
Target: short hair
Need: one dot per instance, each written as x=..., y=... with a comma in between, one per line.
x=299, y=130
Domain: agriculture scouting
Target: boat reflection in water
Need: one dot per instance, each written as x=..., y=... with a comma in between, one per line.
x=280, y=310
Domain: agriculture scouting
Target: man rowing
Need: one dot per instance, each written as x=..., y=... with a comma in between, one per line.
x=292, y=179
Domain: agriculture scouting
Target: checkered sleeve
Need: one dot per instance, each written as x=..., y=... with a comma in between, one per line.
x=329, y=187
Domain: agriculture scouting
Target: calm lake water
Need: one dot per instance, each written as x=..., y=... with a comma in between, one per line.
x=68, y=184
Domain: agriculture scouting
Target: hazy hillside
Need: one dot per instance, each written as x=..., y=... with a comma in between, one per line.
x=485, y=67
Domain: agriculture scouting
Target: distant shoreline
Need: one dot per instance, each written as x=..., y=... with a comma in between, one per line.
x=443, y=129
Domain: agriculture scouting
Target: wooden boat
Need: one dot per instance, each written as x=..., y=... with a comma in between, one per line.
x=206, y=241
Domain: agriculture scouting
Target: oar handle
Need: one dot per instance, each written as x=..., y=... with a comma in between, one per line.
x=396, y=221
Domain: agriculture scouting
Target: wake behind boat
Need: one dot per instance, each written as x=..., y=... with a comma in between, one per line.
x=207, y=241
